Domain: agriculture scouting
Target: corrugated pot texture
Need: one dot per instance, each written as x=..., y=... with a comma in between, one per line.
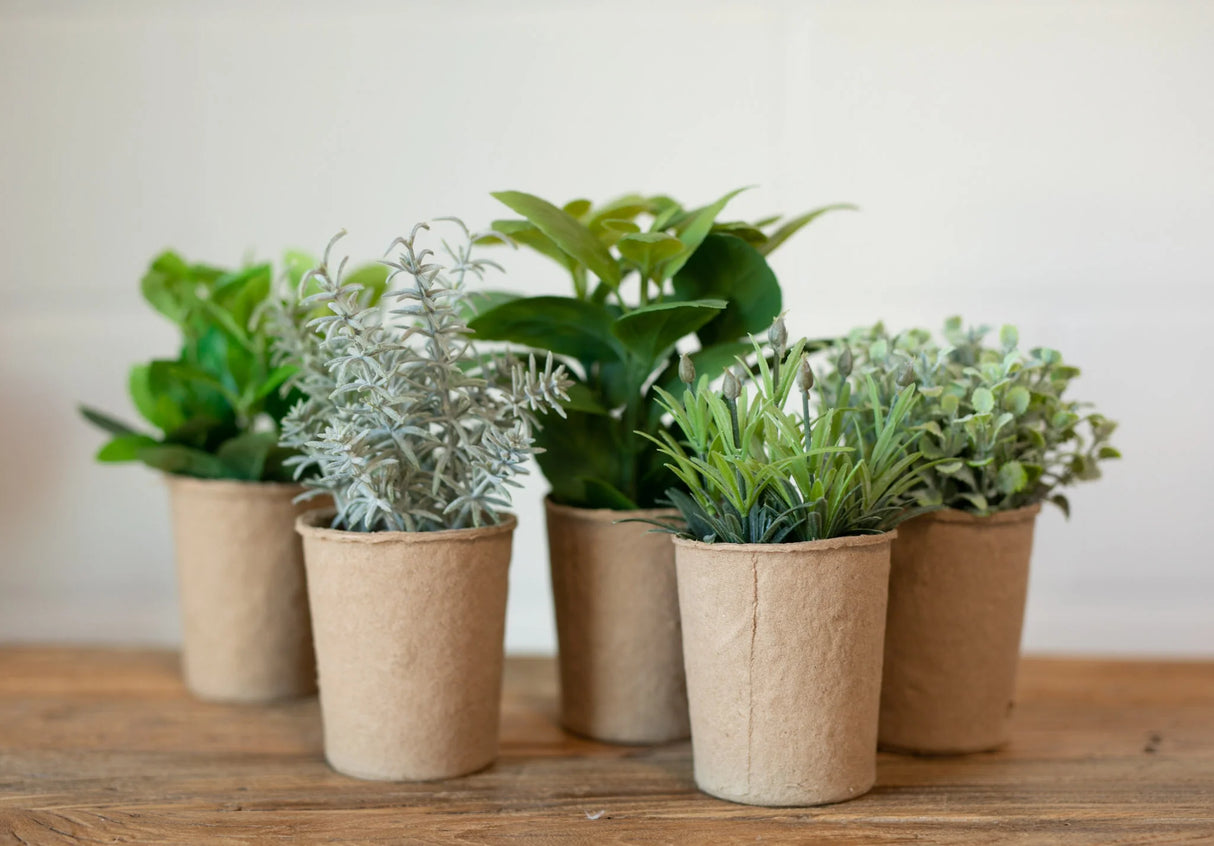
x=782, y=645
x=246, y=632
x=617, y=620
x=409, y=629
x=952, y=637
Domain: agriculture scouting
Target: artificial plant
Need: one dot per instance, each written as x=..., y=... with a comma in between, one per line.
x=754, y=472
x=999, y=432
x=218, y=404
x=400, y=419
x=647, y=273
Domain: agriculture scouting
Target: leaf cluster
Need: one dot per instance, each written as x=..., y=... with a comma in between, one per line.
x=400, y=420
x=756, y=473
x=647, y=273
x=999, y=432
x=217, y=405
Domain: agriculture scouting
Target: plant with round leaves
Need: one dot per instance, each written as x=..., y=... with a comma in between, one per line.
x=400, y=419
x=219, y=403
x=647, y=274
x=754, y=472
x=999, y=432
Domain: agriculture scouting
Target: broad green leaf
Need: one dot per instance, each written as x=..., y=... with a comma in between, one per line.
x=1017, y=400
x=600, y=494
x=982, y=400
x=157, y=408
x=584, y=446
x=647, y=250
x=372, y=278
x=791, y=227
x=709, y=362
x=1108, y=452
x=479, y=302
x=526, y=233
x=626, y=207
x=124, y=448
x=728, y=268
x=581, y=398
x=166, y=286
x=749, y=233
x=1011, y=478
x=1063, y=503
x=648, y=332
x=566, y=232
x=239, y=293
x=577, y=208
x=564, y=325
x=1009, y=337
x=695, y=229
x=245, y=455
x=184, y=461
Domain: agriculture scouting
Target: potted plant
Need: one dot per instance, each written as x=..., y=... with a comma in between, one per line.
x=417, y=439
x=217, y=406
x=783, y=567
x=999, y=438
x=647, y=273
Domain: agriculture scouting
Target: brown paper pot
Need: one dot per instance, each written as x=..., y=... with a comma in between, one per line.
x=246, y=633
x=409, y=629
x=617, y=622
x=952, y=637
x=782, y=645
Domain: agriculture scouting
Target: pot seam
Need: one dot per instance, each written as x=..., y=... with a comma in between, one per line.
x=750, y=668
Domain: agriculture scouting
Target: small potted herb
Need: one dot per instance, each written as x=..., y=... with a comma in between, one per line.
x=417, y=439
x=999, y=438
x=647, y=273
x=783, y=568
x=217, y=407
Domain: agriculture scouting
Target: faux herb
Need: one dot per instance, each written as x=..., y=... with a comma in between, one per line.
x=646, y=273
x=400, y=420
x=217, y=405
x=999, y=432
x=754, y=472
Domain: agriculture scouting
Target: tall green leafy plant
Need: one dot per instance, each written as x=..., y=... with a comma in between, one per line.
x=647, y=273
x=217, y=405
x=754, y=472
x=999, y=431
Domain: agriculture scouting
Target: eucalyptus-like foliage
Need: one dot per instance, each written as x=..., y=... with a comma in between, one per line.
x=998, y=431
x=402, y=421
x=756, y=473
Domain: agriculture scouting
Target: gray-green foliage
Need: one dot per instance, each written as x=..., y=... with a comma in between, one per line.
x=402, y=422
x=998, y=431
x=756, y=473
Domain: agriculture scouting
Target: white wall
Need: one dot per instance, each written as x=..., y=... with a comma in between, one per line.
x=1044, y=163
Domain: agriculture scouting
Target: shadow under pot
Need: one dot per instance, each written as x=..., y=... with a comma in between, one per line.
x=952, y=638
x=409, y=631
x=782, y=644
x=617, y=619
x=246, y=635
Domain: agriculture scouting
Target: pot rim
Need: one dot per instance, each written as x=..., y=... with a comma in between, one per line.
x=603, y=515
x=846, y=542
x=221, y=486
x=956, y=515
x=305, y=526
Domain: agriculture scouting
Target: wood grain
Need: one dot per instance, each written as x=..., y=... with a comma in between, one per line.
x=105, y=746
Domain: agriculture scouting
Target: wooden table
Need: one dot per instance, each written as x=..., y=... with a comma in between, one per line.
x=105, y=746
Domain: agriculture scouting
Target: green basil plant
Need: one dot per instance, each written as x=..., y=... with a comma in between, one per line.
x=647, y=273
x=217, y=405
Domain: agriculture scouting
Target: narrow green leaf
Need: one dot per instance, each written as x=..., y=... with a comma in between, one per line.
x=103, y=421
x=695, y=229
x=791, y=227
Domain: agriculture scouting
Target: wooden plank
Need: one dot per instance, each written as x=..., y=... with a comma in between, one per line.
x=103, y=746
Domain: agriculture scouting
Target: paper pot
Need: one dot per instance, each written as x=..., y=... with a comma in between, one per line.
x=240, y=574
x=952, y=638
x=409, y=629
x=782, y=645
x=617, y=621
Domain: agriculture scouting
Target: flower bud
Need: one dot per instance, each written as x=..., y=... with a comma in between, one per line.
x=777, y=336
x=907, y=375
x=845, y=363
x=731, y=388
x=805, y=379
x=687, y=369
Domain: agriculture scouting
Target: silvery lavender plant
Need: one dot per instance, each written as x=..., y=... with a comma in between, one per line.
x=402, y=421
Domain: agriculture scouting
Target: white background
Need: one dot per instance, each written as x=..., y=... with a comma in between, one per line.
x=1043, y=163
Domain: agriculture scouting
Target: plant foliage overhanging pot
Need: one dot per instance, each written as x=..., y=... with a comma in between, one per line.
x=417, y=439
x=999, y=438
x=783, y=570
